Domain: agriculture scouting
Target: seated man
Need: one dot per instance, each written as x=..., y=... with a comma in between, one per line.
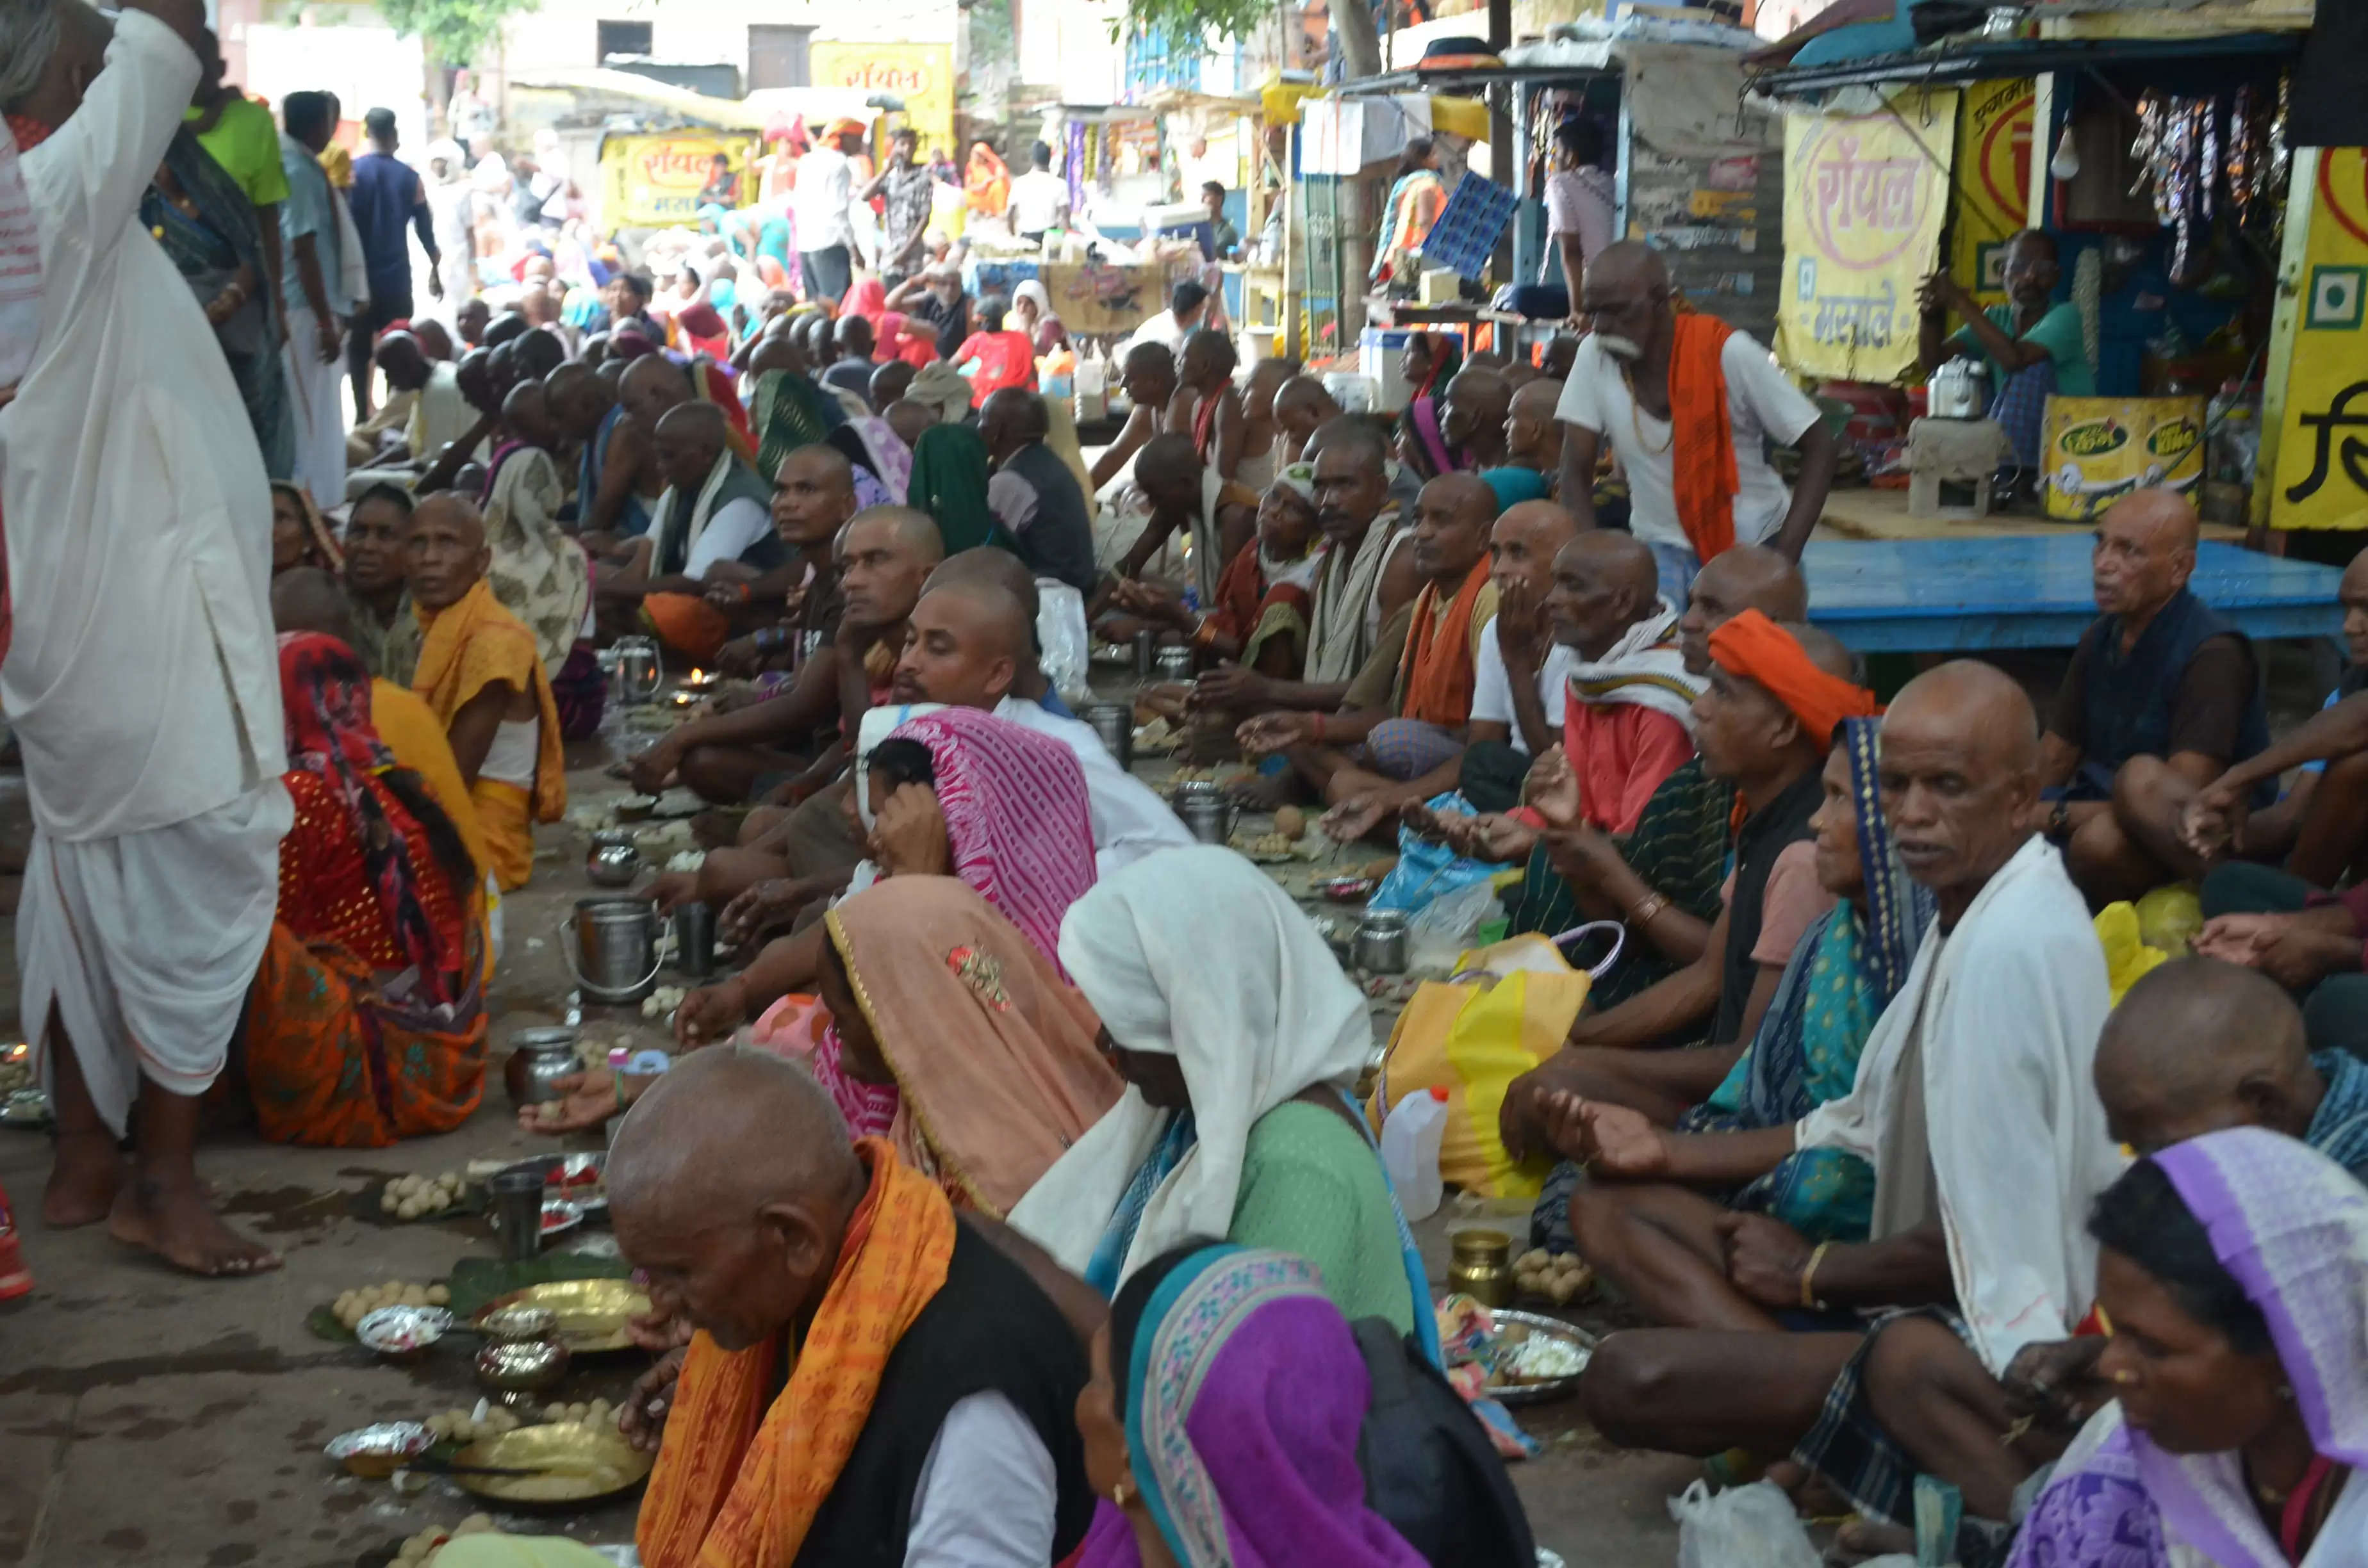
x=1033, y=493
x=1524, y=667
x=478, y=670
x=1195, y=522
x=1765, y=723
x=872, y=1379
x=2161, y=697
x=2196, y=1047
x=2031, y=345
x=713, y=525
x=406, y=367
x=1620, y=698
x=1532, y=434
x=385, y=632
x=1472, y=419
x=1973, y=1104
x=851, y=371
x=617, y=479
x=1206, y=406
x=1302, y=407
x=1398, y=738
x=1663, y=881
x=727, y=758
x=1148, y=375
x=2319, y=829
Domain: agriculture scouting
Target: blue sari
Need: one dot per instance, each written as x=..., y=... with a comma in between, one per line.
x=1843, y=973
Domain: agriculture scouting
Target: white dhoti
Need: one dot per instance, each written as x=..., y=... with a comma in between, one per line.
x=148, y=943
x=317, y=393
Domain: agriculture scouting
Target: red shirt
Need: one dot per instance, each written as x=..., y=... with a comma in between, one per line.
x=1621, y=752
x=1005, y=360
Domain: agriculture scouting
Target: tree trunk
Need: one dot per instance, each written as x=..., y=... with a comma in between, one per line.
x=1361, y=44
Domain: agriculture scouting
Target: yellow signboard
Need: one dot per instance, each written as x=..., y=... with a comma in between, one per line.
x=1864, y=196
x=2321, y=480
x=1993, y=183
x=652, y=182
x=920, y=73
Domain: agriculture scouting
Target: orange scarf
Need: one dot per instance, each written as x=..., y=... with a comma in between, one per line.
x=1701, y=447
x=472, y=644
x=1756, y=648
x=1436, y=674
x=738, y=1485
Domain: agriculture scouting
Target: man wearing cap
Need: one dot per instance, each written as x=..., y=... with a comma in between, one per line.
x=820, y=206
x=386, y=199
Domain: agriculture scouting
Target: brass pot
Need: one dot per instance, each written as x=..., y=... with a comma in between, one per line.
x=1482, y=1267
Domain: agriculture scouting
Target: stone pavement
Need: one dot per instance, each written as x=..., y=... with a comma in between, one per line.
x=148, y=1420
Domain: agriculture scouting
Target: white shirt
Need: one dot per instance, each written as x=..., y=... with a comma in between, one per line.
x=987, y=1491
x=1037, y=198
x=144, y=679
x=1160, y=329
x=1579, y=202
x=734, y=527
x=1760, y=402
x=1129, y=820
x=1492, y=688
x=818, y=206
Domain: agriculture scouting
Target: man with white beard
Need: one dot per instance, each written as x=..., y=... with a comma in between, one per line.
x=141, y=677
x=1685, y=401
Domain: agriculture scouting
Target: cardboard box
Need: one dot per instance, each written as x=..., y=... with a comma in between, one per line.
x=2097, y=449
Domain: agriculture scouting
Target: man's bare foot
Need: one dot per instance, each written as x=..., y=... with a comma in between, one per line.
x=1263, y=791
x=1861, y=1539
x=83, y=1180
x=174, y=1223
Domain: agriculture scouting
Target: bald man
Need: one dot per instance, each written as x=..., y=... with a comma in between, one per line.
x=1302, y=406
x=1524, y=664
x=617, y=478
x=1195, y=523
x=2161, y=697
x=1627, y=386
x=2031, y=345
x=1532, y=434
x=406, y=367
x=1473, y=419
x=1765, y=720
x=739, y=1193
x=1399, y=736
x=1032, y=491
x=713, y=527
x=1974, y=1105
x=1206, y=406
x=1148, y=376
x=483, y=675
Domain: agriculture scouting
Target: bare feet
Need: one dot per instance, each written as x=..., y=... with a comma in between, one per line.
x=174, y=1223
x=83, y=1181
x=1263, y=791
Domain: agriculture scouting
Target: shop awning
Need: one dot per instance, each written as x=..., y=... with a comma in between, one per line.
x=1955, y=64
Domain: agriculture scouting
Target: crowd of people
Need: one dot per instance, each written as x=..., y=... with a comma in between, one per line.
x=1009, y=1203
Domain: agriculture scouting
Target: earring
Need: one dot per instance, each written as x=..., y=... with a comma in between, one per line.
x=1120, y=1496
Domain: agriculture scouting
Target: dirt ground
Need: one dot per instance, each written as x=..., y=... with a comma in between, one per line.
x=148, y=1420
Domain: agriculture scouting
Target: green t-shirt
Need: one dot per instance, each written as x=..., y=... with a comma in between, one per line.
x=246, y=142
x=1312, y=1186
x=2058, y=332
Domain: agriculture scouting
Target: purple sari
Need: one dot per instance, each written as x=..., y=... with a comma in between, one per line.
x=2291, y=1228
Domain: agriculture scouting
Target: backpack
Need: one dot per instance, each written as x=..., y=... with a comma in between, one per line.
x=1429, y=1468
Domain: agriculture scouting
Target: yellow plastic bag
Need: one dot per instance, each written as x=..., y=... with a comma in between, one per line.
x=1510, y=1008
x=2128, y=958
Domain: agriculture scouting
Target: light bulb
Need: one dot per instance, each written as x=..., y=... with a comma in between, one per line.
x=2065, y=164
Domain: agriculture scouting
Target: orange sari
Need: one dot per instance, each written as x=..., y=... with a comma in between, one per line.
x=470, y=645
x=739, y=1483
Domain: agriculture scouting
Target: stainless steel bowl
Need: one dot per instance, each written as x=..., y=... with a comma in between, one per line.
x=613, y=861
x=377, y=1452
x=403, y=1331
x=522, y=1355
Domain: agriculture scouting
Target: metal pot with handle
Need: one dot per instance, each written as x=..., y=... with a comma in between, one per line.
x=1958, y=390
x=610, y=947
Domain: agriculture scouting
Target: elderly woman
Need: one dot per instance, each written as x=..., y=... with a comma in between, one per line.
x=1259, y=618
x=367, y=1021
x=1223, y=1418
x=1240, y=1040
x=1031, y=313
x=2235, y=1274
x=299, y=535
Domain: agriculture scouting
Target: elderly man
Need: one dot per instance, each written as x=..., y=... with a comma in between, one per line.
x=1532, y=434
x=870, y=1378
x=1302, y=407
x=727, y=758
x=1765, y=722
x=1523, y=668
x=1032, y=491
x=617, y=479
x=1194, y=524
x=480, y=671
x=1206, y=406
x=1472, y=420
x=2162, y=695
x=2031, y=345
x=1977, y=1219
x=400, y=358
x=713, y=525
x=1398, y=738
x=2196, y=1047
x=135, y=495
x=1148, y=376
x=933, y=298
x=851, y=372
x=1653, y=382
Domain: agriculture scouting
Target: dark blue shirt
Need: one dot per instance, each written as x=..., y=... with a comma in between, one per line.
x=385, y=198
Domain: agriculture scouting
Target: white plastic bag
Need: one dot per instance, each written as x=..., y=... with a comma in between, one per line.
x=1061, y=629
x=1442, y=928
x=1743, y=1527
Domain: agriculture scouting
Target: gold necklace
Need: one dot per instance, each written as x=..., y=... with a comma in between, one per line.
x=1636, y=418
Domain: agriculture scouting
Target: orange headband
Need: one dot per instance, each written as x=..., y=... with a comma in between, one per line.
x=1756, y=648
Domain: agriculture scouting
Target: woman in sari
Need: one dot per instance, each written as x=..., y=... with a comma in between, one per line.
x=1222, y=1421
x=882, y=463
x=1842, y=974
x=367, y=1020
x=950, y=474
x=1431, y=361
x=1415, y=201
x=209, y=230
x=299, y=535
x=899, y=339
x=2233, y=1270
x=987, y=182
x=1259, y=618
x=1031, y=313
x=1239, y=1039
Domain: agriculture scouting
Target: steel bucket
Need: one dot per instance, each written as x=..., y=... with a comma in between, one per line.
x=610, y=947
x=1114, y=722
x=639, y=674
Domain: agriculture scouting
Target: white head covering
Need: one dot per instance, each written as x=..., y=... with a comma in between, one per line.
x=877, y=723
x=1034, y=293
x=1195, y=954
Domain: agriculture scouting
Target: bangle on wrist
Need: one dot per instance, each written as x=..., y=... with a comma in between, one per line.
x=1808, y=1278
x=1643, y=910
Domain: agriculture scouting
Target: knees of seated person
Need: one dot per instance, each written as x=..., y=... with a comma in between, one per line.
x=1601, y=1221
x=2106, y=864
x=1906, y=1369
x=1630, y=1376
x=713, y=772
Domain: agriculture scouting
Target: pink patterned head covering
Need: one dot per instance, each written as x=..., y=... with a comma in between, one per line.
x=1016, y=812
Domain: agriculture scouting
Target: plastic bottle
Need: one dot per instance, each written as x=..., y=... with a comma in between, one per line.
x=1410, y=1141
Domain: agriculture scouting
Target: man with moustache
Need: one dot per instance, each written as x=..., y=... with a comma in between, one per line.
x=1687, y=404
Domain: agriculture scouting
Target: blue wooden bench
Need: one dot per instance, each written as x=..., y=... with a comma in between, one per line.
x=1968, y=595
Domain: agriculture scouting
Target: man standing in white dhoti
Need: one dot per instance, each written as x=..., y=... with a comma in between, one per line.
x=142, y=679
x=312, y=290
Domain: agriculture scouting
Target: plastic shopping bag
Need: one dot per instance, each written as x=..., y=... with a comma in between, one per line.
x=1743, y=1527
